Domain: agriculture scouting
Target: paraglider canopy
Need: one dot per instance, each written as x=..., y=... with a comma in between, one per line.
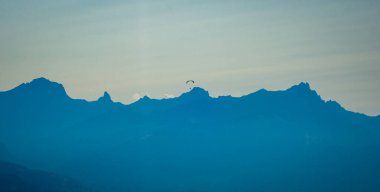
x=190, y=83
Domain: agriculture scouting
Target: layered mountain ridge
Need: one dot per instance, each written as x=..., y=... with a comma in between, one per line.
x=289, y=140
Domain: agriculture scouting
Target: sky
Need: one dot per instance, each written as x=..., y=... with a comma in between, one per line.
x=136, y=48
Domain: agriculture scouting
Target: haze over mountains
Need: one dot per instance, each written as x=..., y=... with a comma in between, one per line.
x=287, y=140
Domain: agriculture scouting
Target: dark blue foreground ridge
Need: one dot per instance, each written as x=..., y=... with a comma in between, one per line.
x=290, y=140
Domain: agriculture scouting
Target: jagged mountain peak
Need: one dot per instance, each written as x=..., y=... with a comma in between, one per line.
x=105, y=98
x=40, y=88
x=303, y=86
x=42, y=82
x=196, y=93
x=303, y=89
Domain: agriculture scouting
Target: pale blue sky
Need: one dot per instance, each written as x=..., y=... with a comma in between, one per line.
x=227, y=47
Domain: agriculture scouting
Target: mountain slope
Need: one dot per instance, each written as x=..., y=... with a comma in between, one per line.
x=18, y=178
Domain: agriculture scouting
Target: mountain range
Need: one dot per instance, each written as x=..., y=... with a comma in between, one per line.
x=289, y=140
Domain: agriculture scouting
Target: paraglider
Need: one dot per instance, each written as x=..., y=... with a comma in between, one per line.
x=190, y=84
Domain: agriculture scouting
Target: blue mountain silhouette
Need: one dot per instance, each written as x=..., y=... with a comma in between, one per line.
x=289, y=140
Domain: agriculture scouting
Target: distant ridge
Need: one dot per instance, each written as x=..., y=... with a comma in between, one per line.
x=42, y=87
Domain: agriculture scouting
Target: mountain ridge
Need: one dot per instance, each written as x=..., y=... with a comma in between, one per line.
x=52, y=89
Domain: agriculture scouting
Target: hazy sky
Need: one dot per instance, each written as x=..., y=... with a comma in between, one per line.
x=227, y=47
